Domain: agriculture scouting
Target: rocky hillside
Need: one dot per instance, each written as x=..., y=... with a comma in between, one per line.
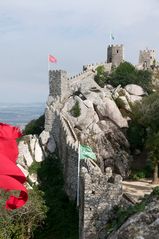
x=99, y=117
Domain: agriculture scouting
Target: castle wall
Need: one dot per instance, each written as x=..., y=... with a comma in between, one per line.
x=52, y=105
x=99, y=194
x=67, y=146
x=115, y=54
x=68, y=150
x=93, y=67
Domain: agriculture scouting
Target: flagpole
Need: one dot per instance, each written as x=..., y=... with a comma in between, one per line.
x=48, y=64
x=78, y=176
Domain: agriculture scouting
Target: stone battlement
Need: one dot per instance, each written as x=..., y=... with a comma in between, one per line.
x=121, y=45
x=147, y=51
x=57, y=71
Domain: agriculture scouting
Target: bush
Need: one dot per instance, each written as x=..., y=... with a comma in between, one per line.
x=34, y=167
x=35, y=126
x=101, y=76
x=136, y=135
x=76, y=110
x=126, y=74
x=20, y=223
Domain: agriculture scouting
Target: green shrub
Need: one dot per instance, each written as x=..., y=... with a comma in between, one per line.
x=20, y=223
x=126, y=74
x=35, y=126
x=76, y=110
x=101, y=76
x=138, y=175
x=34, y=167
x=136, y=135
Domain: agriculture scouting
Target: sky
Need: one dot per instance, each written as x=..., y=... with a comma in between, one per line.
x=75, y=32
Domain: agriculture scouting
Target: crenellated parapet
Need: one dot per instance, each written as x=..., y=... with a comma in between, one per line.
x=68, y=150
x=93, y=67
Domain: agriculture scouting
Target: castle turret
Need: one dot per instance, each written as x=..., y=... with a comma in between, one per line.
x=58, y=83
x=115, y=54
x=147, y=58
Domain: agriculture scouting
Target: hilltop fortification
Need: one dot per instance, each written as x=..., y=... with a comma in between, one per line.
x=98, y=125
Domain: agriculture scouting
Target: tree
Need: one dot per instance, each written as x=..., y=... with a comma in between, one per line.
x=146, y=114
x=153, y=147
x=35, y=126
x=101, y=76
x=126, y=74
x=76, y=110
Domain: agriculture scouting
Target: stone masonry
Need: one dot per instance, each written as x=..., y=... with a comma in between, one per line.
x=99, y=194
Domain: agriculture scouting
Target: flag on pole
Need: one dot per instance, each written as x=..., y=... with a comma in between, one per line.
x=83, y=153
x=112, y=36
x=11, y=177
x=52, y=59
x=86, y=152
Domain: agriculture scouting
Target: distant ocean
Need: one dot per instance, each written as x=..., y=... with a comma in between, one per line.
x=19, y=114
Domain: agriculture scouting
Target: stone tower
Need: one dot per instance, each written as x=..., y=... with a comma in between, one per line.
x=147, y=58
x=58, y=83
x=115, y=54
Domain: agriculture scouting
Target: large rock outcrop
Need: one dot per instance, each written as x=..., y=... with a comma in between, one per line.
x=142, y=225
x=32, y=150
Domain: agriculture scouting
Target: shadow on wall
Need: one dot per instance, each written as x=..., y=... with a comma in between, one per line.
x=62, y=216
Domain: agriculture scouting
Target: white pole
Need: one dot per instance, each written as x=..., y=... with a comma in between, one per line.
x=110, y=38
x=48, y=63
x=78, y=176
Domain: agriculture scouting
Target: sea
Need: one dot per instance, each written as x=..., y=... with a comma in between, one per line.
x=19, y=114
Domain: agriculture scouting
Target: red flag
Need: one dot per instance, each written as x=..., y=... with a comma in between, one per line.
x=11, y=177
x=52, y=59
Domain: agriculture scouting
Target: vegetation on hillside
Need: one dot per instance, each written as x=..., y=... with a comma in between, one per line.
x=47, y=214
x=123, y=75
x=35, y=126
x=101, y=76
x=143, y=132
x=20, y=223
x=76, y=110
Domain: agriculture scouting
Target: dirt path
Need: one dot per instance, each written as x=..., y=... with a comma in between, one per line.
x=137, y=189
